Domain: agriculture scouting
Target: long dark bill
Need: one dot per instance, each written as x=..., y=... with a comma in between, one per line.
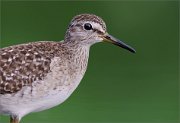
x=119, y=43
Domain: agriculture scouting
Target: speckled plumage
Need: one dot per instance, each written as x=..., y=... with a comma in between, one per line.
x=37, y=72
x=21, y=65
x=40, y=75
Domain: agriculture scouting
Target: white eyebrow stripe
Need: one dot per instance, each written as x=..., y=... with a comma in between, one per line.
x=96, y=26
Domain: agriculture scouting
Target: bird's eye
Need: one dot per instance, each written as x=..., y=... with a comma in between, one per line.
x=87, y=26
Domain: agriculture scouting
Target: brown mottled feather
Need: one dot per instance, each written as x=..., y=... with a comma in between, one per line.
x=20, y=65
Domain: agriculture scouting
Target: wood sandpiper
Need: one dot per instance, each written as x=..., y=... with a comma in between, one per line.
x=40, y=75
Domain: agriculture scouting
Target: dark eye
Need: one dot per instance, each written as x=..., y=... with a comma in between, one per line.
x=87, y=26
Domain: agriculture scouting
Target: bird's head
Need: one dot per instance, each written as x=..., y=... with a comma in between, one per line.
x=88, y=29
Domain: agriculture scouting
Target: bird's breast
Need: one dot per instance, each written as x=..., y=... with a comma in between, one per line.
x=68, y=70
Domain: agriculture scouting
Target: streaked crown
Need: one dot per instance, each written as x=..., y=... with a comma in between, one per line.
x=89, y=18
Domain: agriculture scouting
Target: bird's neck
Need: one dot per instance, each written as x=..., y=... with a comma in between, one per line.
x=77, y=55
x=75, y=47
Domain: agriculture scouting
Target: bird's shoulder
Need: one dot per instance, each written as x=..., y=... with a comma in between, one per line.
x=21, y=65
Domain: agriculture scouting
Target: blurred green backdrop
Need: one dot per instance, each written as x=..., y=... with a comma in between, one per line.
x=118, y=86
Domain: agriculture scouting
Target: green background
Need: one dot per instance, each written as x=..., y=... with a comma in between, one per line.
x=118, y=86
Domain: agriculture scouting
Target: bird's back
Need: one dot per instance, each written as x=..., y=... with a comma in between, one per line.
x=21, y=65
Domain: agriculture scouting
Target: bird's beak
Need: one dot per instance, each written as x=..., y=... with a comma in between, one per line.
x=117, y=42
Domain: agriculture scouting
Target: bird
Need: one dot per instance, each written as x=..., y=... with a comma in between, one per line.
x=39, y=75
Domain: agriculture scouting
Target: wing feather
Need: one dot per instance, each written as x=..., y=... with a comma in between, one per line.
x=21, y=65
